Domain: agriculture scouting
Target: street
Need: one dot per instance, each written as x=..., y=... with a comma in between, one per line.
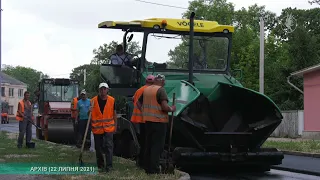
x=13, y=127
x=297, y=162
x=273, y=174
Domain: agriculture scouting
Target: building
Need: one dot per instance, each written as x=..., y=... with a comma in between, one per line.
x=12, y=92
x=311, y=93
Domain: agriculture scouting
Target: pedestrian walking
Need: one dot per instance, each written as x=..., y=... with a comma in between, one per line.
x=24, y=116
x=137, y=119
x=155, y=108
x=83, y=107
x=103, y=124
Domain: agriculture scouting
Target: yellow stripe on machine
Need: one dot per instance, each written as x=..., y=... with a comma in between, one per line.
x=181, y=25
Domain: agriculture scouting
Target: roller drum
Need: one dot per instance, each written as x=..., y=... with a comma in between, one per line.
x=61, y=131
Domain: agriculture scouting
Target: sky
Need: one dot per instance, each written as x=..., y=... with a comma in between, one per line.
x=55, y=36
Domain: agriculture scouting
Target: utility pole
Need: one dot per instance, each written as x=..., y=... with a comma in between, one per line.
x=84, y=76
x=261, y=69
x=0, y=57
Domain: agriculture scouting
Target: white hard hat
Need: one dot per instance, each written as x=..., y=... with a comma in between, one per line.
x=104, y=85
x=83, y=92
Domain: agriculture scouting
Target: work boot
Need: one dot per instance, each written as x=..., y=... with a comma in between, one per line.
x=19, y=146
x=139, y=163
x=107, y=169
x=101, y=168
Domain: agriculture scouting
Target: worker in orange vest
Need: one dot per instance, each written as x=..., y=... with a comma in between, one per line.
x=137, y=119
x=155, y=108
x=103, y=125
x=74, y=109
x=74, y=115
x=24, y=116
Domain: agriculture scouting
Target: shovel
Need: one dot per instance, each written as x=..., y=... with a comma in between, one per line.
x=169, y=166
x=84, y=137
x=38, y=127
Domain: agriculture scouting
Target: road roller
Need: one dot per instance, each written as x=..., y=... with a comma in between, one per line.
x=54, y=98
x=219, y=124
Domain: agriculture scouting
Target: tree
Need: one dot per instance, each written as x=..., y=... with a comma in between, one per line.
x=101, y=55
x=245, y=52
x=78, y=74
x=27, y=75
x=284, y=52
x=314, y=1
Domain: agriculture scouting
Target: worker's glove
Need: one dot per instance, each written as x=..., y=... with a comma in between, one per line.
x=76, y=121
x=173, y=108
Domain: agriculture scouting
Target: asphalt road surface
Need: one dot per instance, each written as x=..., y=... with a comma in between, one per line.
x=296, y=162
x=301, y=163
x=13, y=127
x=271, y=175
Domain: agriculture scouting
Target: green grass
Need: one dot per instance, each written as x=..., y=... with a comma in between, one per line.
x=46, y=152
x=308, y=146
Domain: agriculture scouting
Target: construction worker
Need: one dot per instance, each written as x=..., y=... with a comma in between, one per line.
x=103, y=124
x=74, y=115
x=74, y=110
x=24, y=116
x=83, y=107
x=137, y=119
x=155, y=108
x=120, y=57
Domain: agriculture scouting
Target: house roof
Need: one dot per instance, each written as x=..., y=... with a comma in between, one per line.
x=8, y=79
x=306, y=70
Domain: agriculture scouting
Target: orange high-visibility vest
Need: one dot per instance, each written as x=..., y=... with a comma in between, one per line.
x=152, y=110
x=74, y=106
x=136, y=116
x=102, y=122
x=18, y=117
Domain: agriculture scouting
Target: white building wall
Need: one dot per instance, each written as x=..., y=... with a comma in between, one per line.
x=14, y=99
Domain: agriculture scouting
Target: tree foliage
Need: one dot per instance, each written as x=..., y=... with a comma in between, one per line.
x=101, y=55
x=284, y=52
x=314, y=2
x=27, y=75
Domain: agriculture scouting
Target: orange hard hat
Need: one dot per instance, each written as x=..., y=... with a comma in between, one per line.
x=150, y=78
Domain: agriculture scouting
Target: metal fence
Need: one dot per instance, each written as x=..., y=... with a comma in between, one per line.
x=291, y=126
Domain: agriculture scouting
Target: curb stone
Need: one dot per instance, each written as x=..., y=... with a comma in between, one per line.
x=297, y=153
x=185, y=176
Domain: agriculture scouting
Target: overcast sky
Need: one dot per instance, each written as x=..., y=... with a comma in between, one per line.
x=54, y=36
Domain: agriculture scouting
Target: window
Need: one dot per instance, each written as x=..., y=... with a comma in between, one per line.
x=58, y=93
x=11, y=92
x=20, y=93
x=3, y=93
x=10, y=110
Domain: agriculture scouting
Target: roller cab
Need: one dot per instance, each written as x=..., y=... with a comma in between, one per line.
x=54, y=116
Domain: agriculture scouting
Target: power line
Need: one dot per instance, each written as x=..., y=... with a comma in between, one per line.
x=166, y=5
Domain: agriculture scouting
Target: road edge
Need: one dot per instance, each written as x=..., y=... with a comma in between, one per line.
x=184, y=175
x=297, y=153
x=301, y=171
